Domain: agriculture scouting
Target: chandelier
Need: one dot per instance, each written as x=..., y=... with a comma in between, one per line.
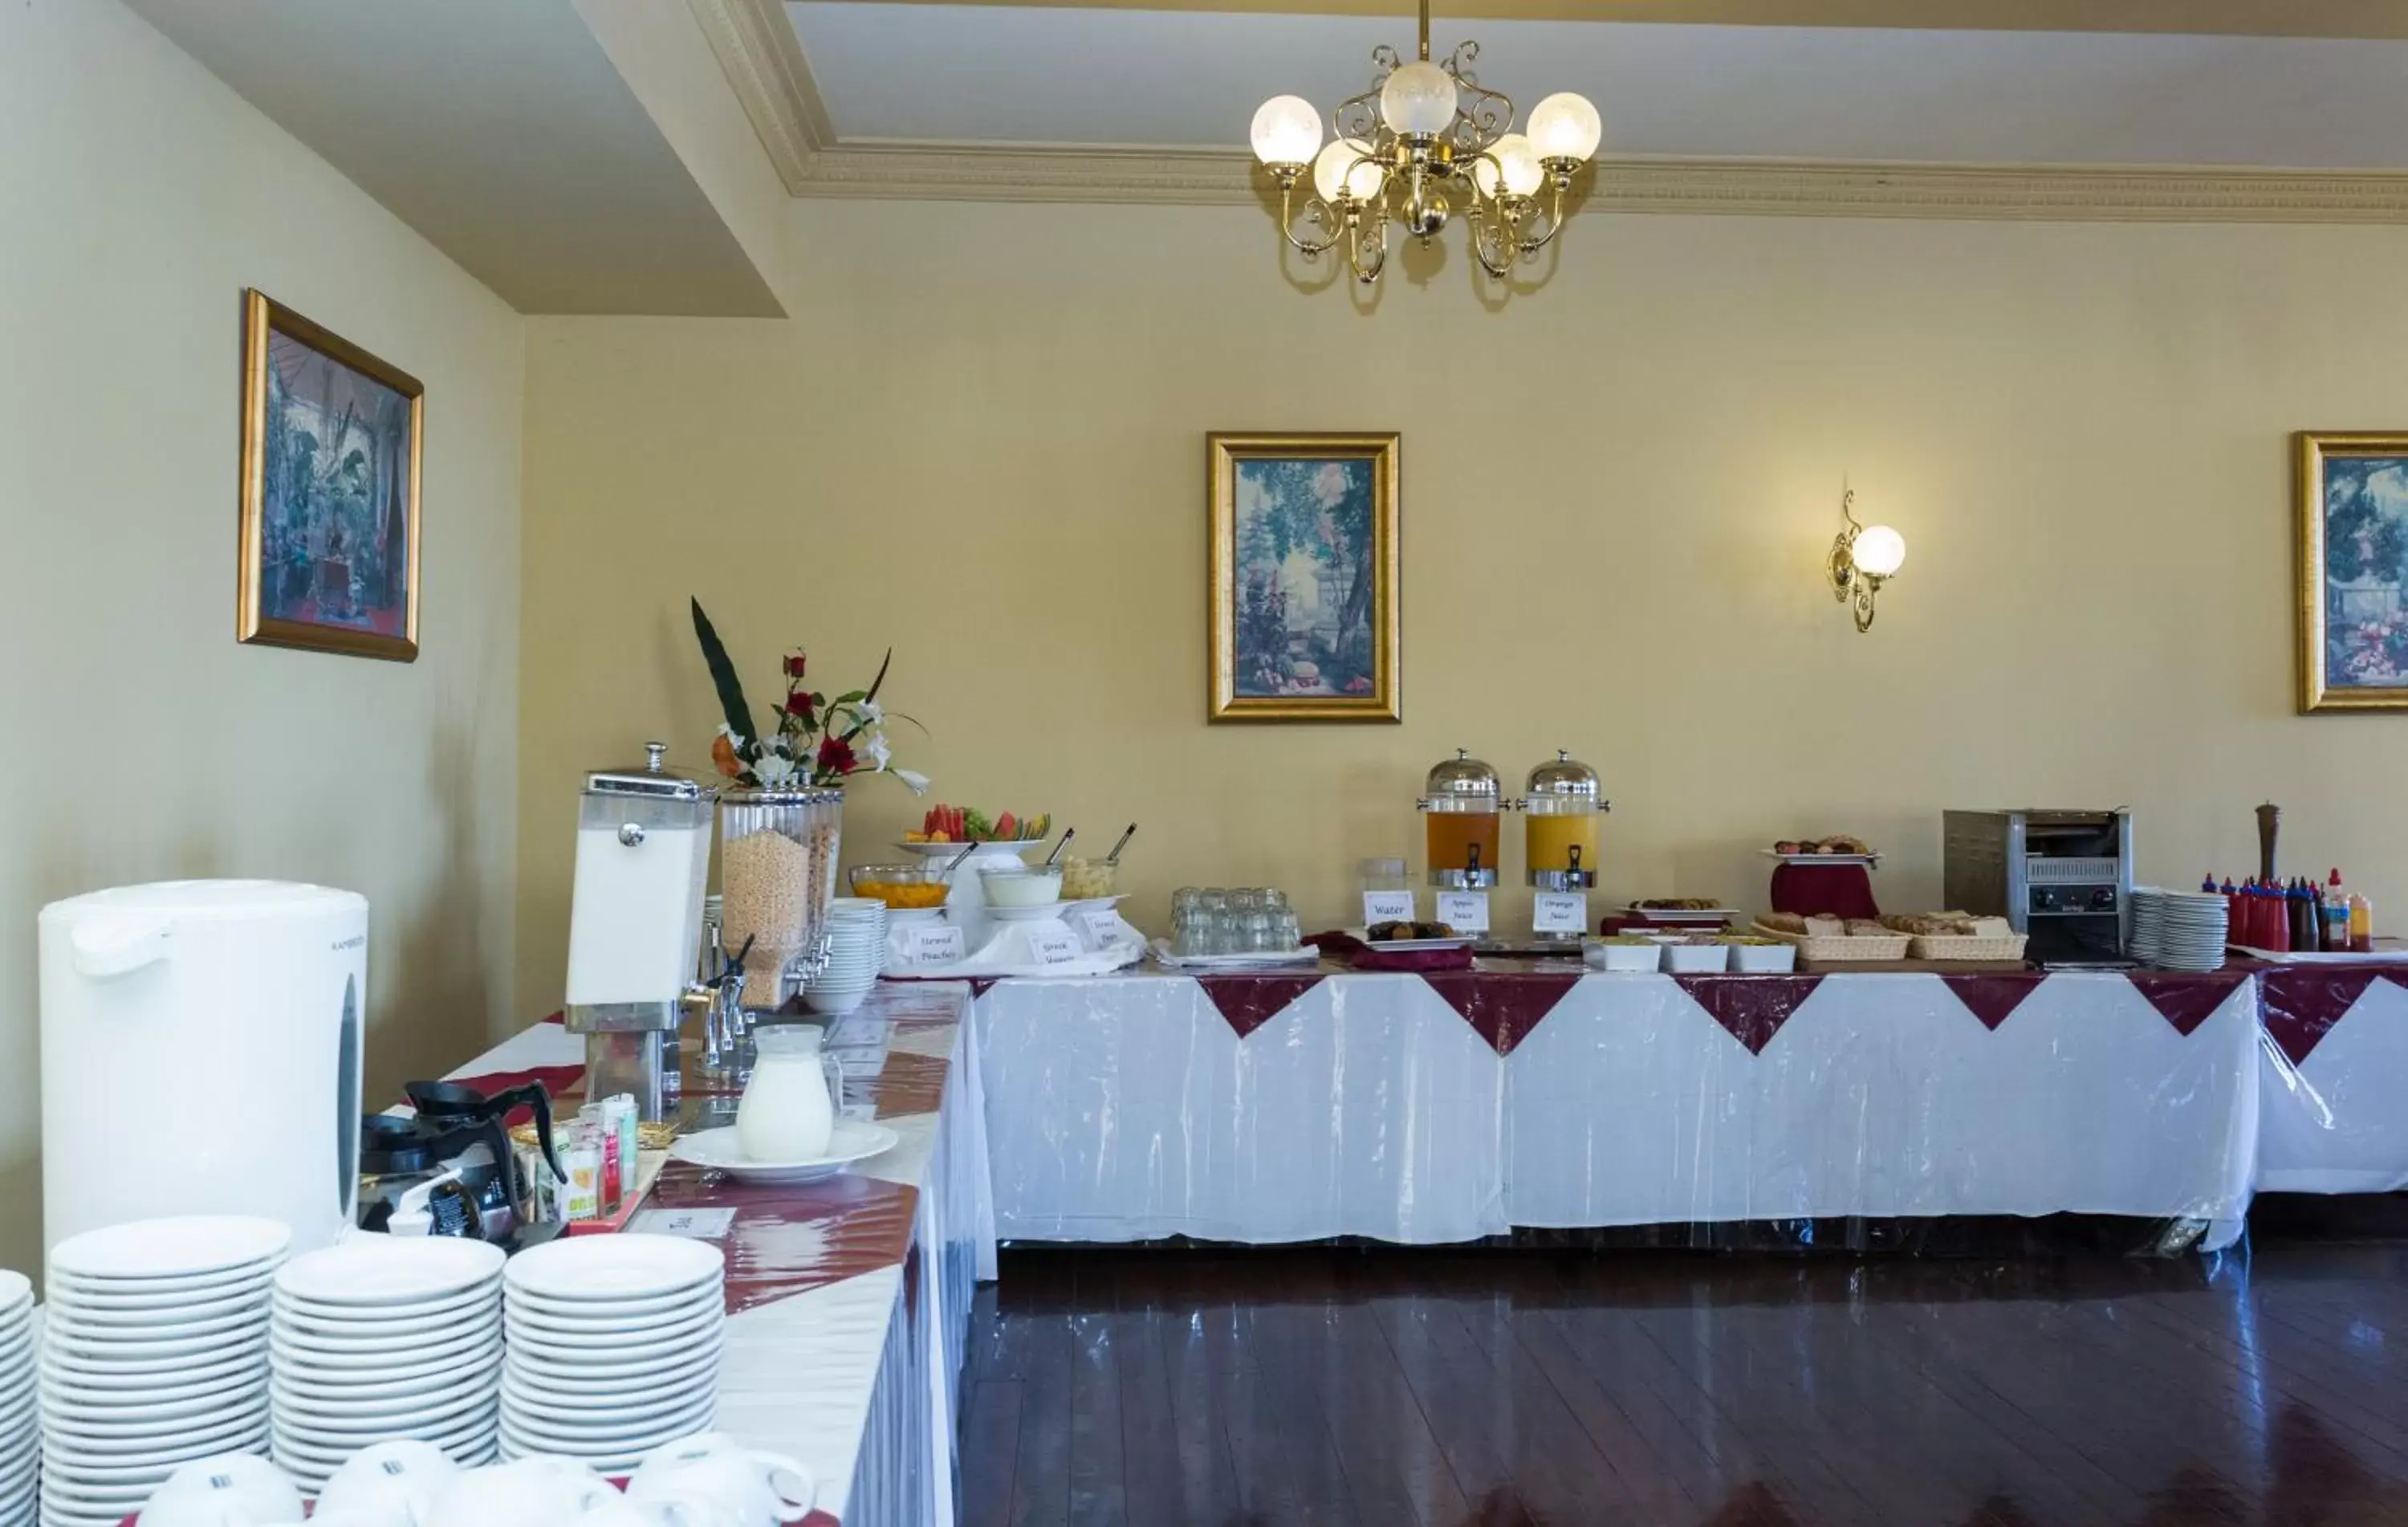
x=1422, y=130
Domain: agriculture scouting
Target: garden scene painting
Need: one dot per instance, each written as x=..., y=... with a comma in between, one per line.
x=1304, y=578
x=1304, y=546
x=330, y=509
x=2365, y=566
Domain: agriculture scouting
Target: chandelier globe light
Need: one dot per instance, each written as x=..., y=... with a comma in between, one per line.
x=1397, y=150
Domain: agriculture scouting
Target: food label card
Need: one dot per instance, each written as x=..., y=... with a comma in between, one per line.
x=1055, y=946
x=1387, y=907
x=694, y=1224
x=1466, y=911
x=1559, y=911
x=941, y=945
x=1096, y=926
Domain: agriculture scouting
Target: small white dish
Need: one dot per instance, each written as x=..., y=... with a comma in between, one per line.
x=180, y=1245
x=447, y=1333
x=216, y=1347
x=386, y=1269
x=153, y=1293
x=587, y=1369
x=623, y=1266
x=851, y=1140
x=97, y=1377
x=537, y=1393
x=370, y=1405
x=194, y=1317
x=710, y=1304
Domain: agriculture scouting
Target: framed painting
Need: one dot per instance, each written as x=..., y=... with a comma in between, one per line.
x=2353, y=565
x=1304, y=578
x=330, y=461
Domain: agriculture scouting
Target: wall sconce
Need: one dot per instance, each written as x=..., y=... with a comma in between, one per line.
x=1863, y=557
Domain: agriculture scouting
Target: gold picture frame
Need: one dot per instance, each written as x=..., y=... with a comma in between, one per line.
x=332, y=444
x=1302, y=591
x=2352, y=566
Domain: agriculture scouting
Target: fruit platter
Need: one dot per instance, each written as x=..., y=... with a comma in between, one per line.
x=958, y=825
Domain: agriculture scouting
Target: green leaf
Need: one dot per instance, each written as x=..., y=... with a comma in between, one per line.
x=877, y=682
x=722, y=676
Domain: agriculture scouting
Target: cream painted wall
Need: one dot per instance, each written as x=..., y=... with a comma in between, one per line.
x=983, y=442
x=141, y=197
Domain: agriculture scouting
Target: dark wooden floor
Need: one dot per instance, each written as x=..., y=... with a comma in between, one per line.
x=1217, y=1389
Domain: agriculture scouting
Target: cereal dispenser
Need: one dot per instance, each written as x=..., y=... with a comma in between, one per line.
x=635, y=923
x=1561, y=825
x=1459, y=823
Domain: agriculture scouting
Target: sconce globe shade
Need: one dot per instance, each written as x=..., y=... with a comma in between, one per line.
x=1287, y=131
x=1565, y=126
x=1879, y=551
x=1419, y=97
x=1344, y=169
x=1515, y=169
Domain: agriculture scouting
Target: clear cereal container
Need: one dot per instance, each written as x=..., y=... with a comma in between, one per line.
x=777, y=873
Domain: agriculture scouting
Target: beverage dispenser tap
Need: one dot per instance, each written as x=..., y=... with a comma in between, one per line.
x=643, y=858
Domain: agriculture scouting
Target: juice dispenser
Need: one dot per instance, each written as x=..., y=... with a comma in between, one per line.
x=1459, y=823
x=1561, y=825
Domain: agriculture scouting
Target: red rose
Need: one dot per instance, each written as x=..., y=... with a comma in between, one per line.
x=793, y=664
x=835, y=755
x=800, y=704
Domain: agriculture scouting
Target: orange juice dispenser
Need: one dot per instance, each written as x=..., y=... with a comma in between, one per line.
x=1563, y=818
x=1459, y=823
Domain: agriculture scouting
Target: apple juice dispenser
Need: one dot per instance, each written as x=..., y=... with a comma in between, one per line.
x=635, y=925
x=1459, y=823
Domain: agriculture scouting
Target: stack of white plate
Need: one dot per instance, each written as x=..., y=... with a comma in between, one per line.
x=856, y=949
x=21, y=1421
x=154, y=1353
x=614, y=1346
x=2180, y=930
x=384, y=1338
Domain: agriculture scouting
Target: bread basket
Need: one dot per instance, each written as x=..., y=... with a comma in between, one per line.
x=1840, y=950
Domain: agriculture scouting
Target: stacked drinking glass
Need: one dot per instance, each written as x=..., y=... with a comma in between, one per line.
x=1254, y=919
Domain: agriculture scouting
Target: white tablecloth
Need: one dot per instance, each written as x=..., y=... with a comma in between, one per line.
x=1129, y=1108
x=2333, y=1083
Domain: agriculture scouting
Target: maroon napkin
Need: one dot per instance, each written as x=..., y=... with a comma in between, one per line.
x=1824, y=890
x=1362, y=957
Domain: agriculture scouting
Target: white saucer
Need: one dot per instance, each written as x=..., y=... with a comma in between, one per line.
x=449, y=1334
x=542, y=1393
x=224, y=1346
x=196, y=1316
x=151, y=1293
x=613, y=1267
x=709, y=1303
x=850, y=1140
x=586, y=1368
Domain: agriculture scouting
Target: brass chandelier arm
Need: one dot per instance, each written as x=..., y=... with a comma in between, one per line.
x=1316, y=211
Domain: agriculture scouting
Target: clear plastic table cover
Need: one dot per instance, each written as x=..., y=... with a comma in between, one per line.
x=2333, y=1073
x=1437, y=1108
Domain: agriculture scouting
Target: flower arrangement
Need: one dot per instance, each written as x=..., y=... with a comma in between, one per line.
x=817, y=740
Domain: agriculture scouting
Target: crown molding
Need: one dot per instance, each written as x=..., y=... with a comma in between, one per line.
x=1748, y=187
x=764, y=62
x=764, y=65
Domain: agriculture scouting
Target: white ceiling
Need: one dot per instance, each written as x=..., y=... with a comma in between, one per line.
x=1193, y=79
x=499, y=129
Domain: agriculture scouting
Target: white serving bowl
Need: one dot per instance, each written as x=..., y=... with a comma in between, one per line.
x=1008, y=883
x=1764, y=959
x=1695, y=958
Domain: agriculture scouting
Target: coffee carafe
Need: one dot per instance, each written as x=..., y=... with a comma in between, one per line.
x=450, y=1170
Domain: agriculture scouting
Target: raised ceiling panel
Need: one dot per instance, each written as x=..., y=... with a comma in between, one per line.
x=1039, y=75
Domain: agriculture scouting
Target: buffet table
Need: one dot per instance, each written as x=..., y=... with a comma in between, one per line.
x=848, y=1299
x=2334, y=1068
x=1447, y=1106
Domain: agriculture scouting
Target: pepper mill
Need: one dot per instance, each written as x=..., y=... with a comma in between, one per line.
x=2270, y=827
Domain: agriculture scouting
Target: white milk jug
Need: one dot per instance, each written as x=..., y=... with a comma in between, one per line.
x=786, y=1114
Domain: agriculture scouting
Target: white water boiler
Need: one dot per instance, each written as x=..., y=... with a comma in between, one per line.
x=201, y=1046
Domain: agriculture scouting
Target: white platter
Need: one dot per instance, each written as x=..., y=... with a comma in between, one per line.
x=375, y=1270
x=150, y=1293
x=1682, y=914
x=587, y=1369
x=385, y=1319
x=216, y=1347
x=588, y=1309
x=67, y=1417
x=449, y=1333
x=1869, y=861
x=308, y=1385
x=531, y=1414
x=638, y=1437
x=1037, y=913
x=62, y=1459
x=182, y=1246
x=939, y=851
x=648, y=1356
x=425, y=1411
x=551, y=1323
x=357, y=1431
x=628, y=1265
x=541, y=1395
x=197, y=1317
x=63, y=1369
x=851, y=1140
x=1401, y=946
x=1303, y=954
x=107, y=1407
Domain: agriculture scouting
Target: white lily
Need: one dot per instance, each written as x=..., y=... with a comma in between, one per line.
x=868, y=712
x=873, y=747
x=914, y=781
x=774, y=769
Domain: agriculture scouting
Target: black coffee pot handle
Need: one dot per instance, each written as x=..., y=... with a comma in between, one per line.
x=453, y=1101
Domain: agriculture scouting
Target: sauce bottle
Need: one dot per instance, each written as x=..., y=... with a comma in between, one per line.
x=2336, y=914
x=2361, y=924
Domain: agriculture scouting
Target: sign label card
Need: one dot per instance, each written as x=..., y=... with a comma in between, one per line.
x=1055, y=946
x=940, y=945
x=1559, y=911
x=1466, y=911
x=1387, y=907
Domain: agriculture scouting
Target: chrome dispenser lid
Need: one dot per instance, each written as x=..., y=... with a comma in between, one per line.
x=1463, y=779
x=1565, y=777
x=655, y=781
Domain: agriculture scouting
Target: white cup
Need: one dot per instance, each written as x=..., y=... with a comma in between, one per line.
x=534, y=1491
x=390, y=1484
x=752, y=1489
x=233, y=1489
